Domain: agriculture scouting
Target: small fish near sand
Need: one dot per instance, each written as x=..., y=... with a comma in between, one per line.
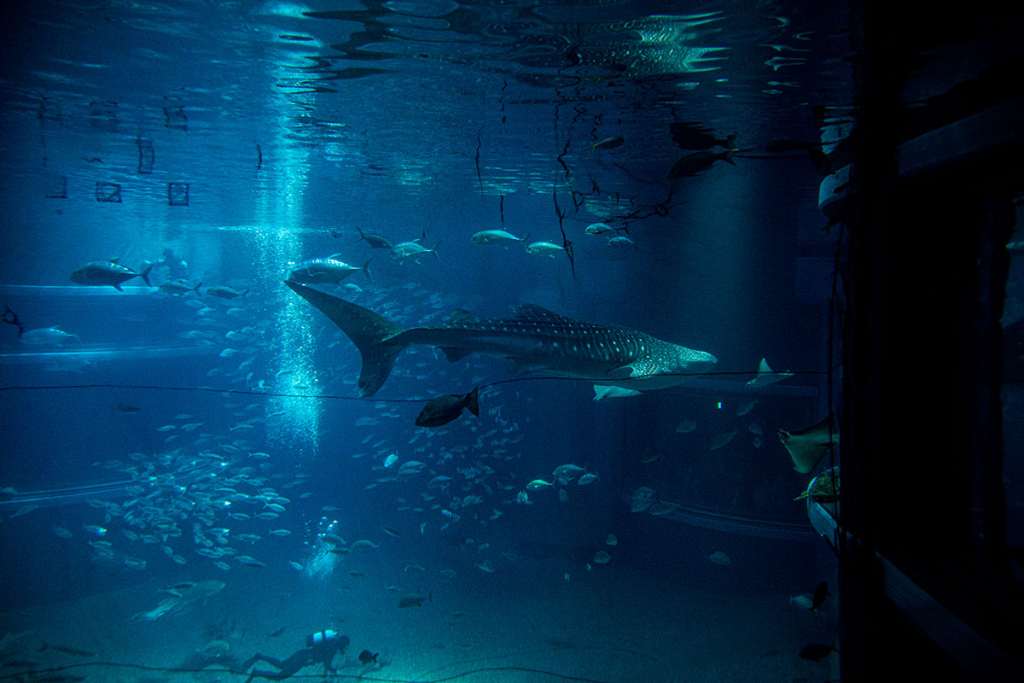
x=719, y=558
x=443, y=409
x=415, y=600
x=367, y=657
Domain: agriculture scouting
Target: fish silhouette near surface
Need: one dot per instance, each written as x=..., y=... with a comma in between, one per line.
x=698, y=162
x=533, y=338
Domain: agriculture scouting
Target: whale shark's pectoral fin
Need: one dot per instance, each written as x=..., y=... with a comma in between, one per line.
x=634, y=370
x=621, y=372
x=455, y=353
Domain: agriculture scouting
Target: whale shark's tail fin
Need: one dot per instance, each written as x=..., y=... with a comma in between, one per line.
x=367, y=330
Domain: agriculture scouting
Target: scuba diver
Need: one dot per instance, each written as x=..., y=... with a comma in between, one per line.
x=320, y=648
x=177, y=267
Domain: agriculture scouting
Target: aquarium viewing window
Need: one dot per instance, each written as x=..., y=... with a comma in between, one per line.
x=510, y=341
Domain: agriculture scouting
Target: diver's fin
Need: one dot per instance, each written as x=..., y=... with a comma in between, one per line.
x=367, y=330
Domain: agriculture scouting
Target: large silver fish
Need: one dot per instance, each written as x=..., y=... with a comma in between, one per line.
x=182, y=597
x=99, y=273
x=534, y=338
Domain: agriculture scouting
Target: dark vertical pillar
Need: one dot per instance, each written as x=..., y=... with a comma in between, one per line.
x=921, y=425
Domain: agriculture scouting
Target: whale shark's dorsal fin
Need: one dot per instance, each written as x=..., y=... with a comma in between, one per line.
x=461, y=315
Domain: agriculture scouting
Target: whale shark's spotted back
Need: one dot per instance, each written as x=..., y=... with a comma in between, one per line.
x=533, y=337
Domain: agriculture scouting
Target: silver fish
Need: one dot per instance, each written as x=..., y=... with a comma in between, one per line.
x=99, y=273
x=327, y=270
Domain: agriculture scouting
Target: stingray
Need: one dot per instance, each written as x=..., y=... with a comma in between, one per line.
x=766, y=376
x=807, y=446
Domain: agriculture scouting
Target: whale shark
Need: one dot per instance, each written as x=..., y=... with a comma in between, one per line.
x=533, y=338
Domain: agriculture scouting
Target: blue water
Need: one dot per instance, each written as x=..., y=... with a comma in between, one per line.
x=247, y=138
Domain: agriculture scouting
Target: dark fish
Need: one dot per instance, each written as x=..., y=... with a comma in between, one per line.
x=816, y=651
x=608, y=143
x=698, y=162
x=98, y=273
x=224, y=292
x=367, y=657
x=21, y=664
x=415, y=600
x=444, y=409
x=533, y=338
x=127, y=409
x=820, y=593
x=375, y=241
x=68, y=650
x=695, y=136
x=276, y=633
